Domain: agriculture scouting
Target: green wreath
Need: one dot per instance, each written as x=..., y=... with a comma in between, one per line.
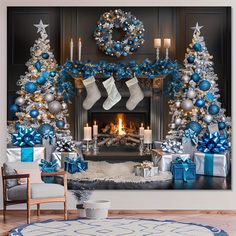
x=117, y=19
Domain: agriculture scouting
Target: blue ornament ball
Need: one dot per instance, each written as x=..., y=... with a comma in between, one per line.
x=195, y=77
x=125, y=54
x=60, y=123
x=190, y=59
x=213, y=109
x=30, y=87
x=200, y=102
x=53, y=73
x=41, y=80
x=45, y=55
x=17, y=125
x=45, y=128
x=221, y=125
x=197, y=47
x=34, y=113
x=195, y=126
x=14, y=108
x=108, y=50
x=204, y=85
x=117, y=46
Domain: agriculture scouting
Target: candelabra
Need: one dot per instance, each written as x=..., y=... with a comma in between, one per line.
x=95, y=144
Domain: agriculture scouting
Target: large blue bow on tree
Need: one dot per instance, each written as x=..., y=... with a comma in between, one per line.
x=190, y=134
x=213, y=143
x=26, y=137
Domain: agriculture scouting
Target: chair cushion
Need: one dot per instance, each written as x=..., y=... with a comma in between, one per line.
x=10, y=167
x=35, y=175
x=19, y=192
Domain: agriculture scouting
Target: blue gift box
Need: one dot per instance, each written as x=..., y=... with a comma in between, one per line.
x=48, y=167
x=75, y=165
x=183, y=169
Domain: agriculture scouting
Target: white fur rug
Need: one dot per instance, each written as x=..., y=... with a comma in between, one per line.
x=117, y=172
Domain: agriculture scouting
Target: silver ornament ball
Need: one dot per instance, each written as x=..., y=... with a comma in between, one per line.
x=208, y=118
x=20, y=101
x=191, y=94
x=187, y=105
x=64, y=106
x=177, y=104
x=185, y=79
x=54, y=107
x=178, y=121
x=49, y=97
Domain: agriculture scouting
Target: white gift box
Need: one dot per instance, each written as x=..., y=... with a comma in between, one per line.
x=212, y=164
x=25, y=154
x=146, y=172
x=163, y=159
x=60, y=156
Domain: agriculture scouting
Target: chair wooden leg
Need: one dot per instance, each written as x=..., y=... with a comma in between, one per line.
x=38, y=209
x=65, y=210
x=4, y=211
x=28, y=213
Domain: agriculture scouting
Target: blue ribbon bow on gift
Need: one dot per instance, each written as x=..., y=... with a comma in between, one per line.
x=49, y=135
x=76, y=165
x=213, y=143
x=26, y=137
x=172, y=146
x=190, y=134
x=48, y=165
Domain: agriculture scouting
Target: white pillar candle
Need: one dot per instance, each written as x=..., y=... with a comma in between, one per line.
x=71, y=49
x=79, y=49
x=147, y=135
x=87, y=132
x=141, y=130
x=167, y=43
x=157, y=43
x=95, y=129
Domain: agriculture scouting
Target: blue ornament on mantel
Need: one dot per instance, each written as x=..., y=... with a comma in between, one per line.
x=213, y=109
x=191, y=59
x=195, y=77
x=60, y=123
x=204, y=85
x=34, y=113
x=14, y=108
x=195, y=126
x=30, y=87
x=41, y=80
x=45, y=55
x=200, y=102
x=221, y=125
x=38, y=65
x=197, y=47
x=53, y=73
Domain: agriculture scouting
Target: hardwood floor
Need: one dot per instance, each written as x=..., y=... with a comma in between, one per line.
x=222, y=219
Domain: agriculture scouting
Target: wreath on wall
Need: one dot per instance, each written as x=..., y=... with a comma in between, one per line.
x=129, y=24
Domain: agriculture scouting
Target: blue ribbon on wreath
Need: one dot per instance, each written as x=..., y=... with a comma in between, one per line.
x=213, y=143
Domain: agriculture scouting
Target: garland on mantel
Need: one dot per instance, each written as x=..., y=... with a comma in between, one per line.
x=122, y=70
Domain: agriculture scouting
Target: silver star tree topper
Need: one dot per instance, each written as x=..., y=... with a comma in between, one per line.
x=41, y=27
x=196, y=28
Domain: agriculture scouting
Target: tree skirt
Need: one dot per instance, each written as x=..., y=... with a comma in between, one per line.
x=115, y=227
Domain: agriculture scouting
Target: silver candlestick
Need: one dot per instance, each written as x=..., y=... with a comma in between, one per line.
x=141, y=145
x=87, y=150
x=95, y=144
x=148, y=148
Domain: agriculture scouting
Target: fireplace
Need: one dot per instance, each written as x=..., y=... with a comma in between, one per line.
x=149, y=111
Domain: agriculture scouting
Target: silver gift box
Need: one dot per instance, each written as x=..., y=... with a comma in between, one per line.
x=163, y=160
x=49, y=148
x=146, y=172
x=14, y=154
x=221, y=164
x=189, y=147
x=60, y=156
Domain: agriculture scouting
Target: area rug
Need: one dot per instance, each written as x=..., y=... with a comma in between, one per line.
x=115, y=227
x=116, y=172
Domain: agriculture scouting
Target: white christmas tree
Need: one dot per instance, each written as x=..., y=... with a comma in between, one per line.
x=197, y=104
x=39, y=104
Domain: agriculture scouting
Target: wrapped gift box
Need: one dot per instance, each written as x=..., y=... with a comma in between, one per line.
x=25, y=154
x=60, y=156
x=183, y=170
x=75, y=165
x=146, y=169
x=212, y=164
x=48, y=167
x=50, y=146
x=163, y=160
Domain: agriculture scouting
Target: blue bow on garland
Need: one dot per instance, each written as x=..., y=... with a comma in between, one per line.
x=49, y=135
x=190, y=134
x=213, y=143
x=45, y=165
x=75, y=165
x=26, y=137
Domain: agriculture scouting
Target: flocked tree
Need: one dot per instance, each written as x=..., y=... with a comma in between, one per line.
x=197, y=104
x=39, y=104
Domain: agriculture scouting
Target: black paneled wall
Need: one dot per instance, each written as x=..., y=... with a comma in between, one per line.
x=164, y=22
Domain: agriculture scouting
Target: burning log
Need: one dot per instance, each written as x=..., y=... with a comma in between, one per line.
x=134, y=140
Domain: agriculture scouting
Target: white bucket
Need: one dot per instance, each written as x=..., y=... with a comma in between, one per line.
x=97, y=209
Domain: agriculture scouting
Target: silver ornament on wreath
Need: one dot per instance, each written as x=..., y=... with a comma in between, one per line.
x=20, y=101
x=54, y=107
x=49, y=97
x=187, y=105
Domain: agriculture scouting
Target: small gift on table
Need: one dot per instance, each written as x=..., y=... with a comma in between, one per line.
x=75, y=165
x=189, y=141
x=183, y=169
x=213, y=156
x=64, y=148
x=48, y=167
x=23, y=147
x=146, y=169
